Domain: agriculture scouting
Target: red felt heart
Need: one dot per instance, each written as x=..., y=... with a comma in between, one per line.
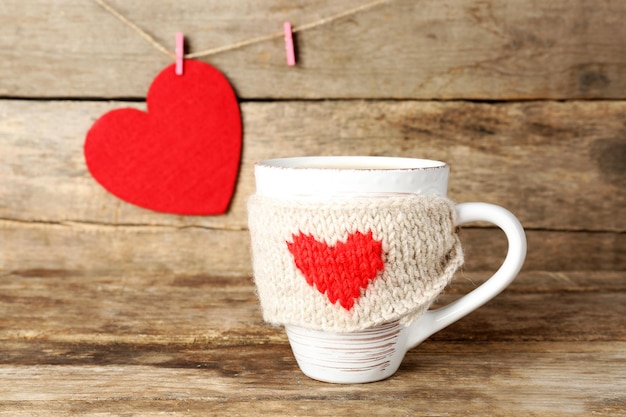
x=339, y=271
x=182, y=155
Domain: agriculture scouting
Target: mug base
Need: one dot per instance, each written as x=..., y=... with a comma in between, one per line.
x=345, y=376
x=348, y=358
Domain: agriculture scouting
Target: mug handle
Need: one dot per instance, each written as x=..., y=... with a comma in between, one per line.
x=434, y=320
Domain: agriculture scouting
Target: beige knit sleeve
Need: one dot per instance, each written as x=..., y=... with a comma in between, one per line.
x=347, y=264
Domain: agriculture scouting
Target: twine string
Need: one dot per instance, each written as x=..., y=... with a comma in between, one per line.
x=136, y=28
x=152, y=41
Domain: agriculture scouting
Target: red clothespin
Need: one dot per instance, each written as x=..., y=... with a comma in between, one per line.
x=180, y=52
x=291, y=54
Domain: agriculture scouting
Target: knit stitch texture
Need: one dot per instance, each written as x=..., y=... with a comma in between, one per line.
x=348, y=264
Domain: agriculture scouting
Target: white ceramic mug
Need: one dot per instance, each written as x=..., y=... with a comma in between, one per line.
x=376, y=353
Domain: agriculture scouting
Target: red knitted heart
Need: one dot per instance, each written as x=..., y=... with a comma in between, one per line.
x=339, y=271
x=182, y=156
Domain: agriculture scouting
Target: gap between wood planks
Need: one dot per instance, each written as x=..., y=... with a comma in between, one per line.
x=95, y=225
x=142, y=99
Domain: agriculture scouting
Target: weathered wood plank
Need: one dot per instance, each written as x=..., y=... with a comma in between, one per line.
x=196, y=250
x=555, y=165
x=475, y=49
x=552, y=344
x=436, y=379
x=553, y=251
x=131, y=318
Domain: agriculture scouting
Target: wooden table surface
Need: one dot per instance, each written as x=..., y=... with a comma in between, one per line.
x=554, y=343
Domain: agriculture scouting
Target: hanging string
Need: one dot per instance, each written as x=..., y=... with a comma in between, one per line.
x=240, y=44
x=136, y=28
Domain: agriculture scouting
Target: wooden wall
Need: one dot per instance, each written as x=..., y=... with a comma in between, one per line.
x=525, y=99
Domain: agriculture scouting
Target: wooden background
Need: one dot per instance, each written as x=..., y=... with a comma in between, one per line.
x=525, y=99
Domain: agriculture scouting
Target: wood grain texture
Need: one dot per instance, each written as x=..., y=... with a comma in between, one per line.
x=472, y=49
x=552, y=344
x=552, y=379
x=47, y=313
x=557, y=166
x=146, y=250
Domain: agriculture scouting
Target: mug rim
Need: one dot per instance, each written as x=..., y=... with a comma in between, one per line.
x=353, y=162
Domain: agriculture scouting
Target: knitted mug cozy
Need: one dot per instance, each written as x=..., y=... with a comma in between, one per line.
x=348, y=264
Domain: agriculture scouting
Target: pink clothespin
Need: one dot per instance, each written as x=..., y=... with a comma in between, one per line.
x=291, y=54
x=180, y=52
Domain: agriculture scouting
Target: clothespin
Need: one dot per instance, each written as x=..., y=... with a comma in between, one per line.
x=291, y=55
x=180, y=52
